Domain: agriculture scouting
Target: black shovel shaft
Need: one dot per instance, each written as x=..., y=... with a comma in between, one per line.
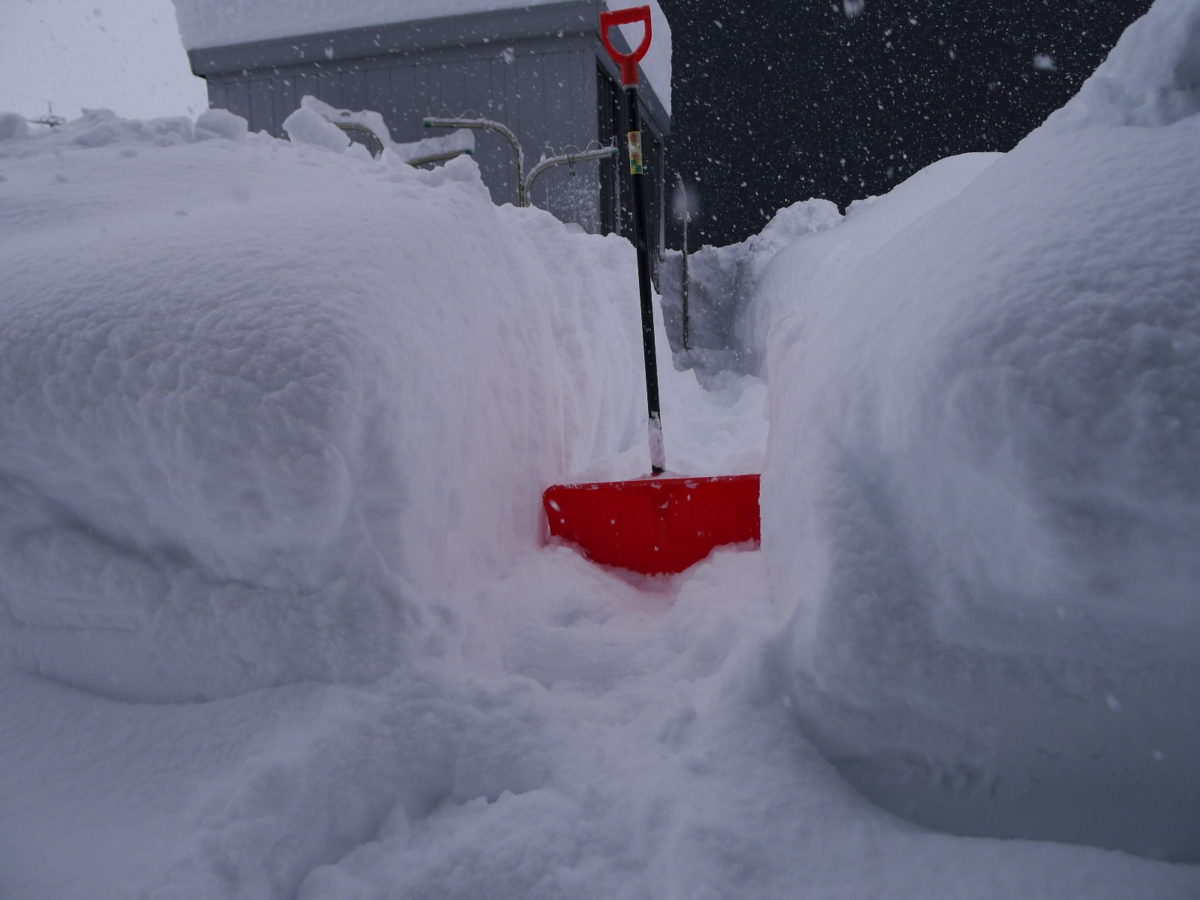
x=641, y=233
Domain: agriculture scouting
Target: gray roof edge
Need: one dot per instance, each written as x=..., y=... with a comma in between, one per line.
x=462, y=30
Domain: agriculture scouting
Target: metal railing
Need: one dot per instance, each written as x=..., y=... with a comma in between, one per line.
x=524, y=182
x=564, y=159
x=374, y=143
x=489, y=125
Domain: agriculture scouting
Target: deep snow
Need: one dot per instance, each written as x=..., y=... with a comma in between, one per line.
x=991, y=458
x=243, y=345
x=275, y=616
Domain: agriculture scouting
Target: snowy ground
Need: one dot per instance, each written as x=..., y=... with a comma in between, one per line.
x=629, y=749
x=275, y=616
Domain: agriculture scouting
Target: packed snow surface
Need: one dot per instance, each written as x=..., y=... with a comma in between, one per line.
x=218, y=23
x=276, y=619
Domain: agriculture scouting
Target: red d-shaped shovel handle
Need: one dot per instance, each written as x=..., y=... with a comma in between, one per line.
x=627, y=61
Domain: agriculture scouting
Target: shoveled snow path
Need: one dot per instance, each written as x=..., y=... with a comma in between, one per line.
x=674, y=771
x=614, y=737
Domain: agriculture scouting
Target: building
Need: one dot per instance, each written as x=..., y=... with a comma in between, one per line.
x=538, y=68
x=846, y=99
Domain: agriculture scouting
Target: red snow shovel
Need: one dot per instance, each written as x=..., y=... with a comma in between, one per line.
x=652, y=525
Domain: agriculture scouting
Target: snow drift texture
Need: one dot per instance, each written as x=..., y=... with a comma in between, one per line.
x=275, y=421
x=983, y=497
x=276, y=415
x=244, y=444
x=727, y=320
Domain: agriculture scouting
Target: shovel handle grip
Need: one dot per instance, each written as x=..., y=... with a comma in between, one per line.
x=627, y=61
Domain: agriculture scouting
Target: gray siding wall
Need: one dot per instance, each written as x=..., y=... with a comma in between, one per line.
x=547, y=96
x=544, y=88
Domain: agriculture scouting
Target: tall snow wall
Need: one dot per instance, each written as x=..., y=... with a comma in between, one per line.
x=983, y=493
x=268, y=412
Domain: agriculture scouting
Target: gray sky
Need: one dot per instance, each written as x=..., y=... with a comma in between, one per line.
x=121, y=54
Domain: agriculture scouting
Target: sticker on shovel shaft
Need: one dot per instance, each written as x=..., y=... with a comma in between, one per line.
x=637, y=165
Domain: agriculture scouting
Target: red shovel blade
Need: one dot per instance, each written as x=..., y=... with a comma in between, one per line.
x=654, y=525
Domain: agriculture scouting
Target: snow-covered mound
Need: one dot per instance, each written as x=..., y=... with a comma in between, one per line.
x=283, y=408
x=266, y=410
x=727, y=322
x=983, y=491
x=316, y=122
x=1151, y=78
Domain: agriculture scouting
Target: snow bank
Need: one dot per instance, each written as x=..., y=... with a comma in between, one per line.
x=240, y=798
x=221, y=123
x=270, y=412
x=732, y=308
x=622, y=752
x=307, y=126
x=203, y=23
x=983, y=495
x=1151, y=78
x=13, y=127
x=727, y=322
x=273, y=411
x=310, y=124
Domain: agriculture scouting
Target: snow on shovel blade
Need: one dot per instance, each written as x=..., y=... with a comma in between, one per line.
x=655, y=525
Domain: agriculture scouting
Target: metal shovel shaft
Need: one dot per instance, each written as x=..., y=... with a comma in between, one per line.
x=637, y=170
x=628, y=63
